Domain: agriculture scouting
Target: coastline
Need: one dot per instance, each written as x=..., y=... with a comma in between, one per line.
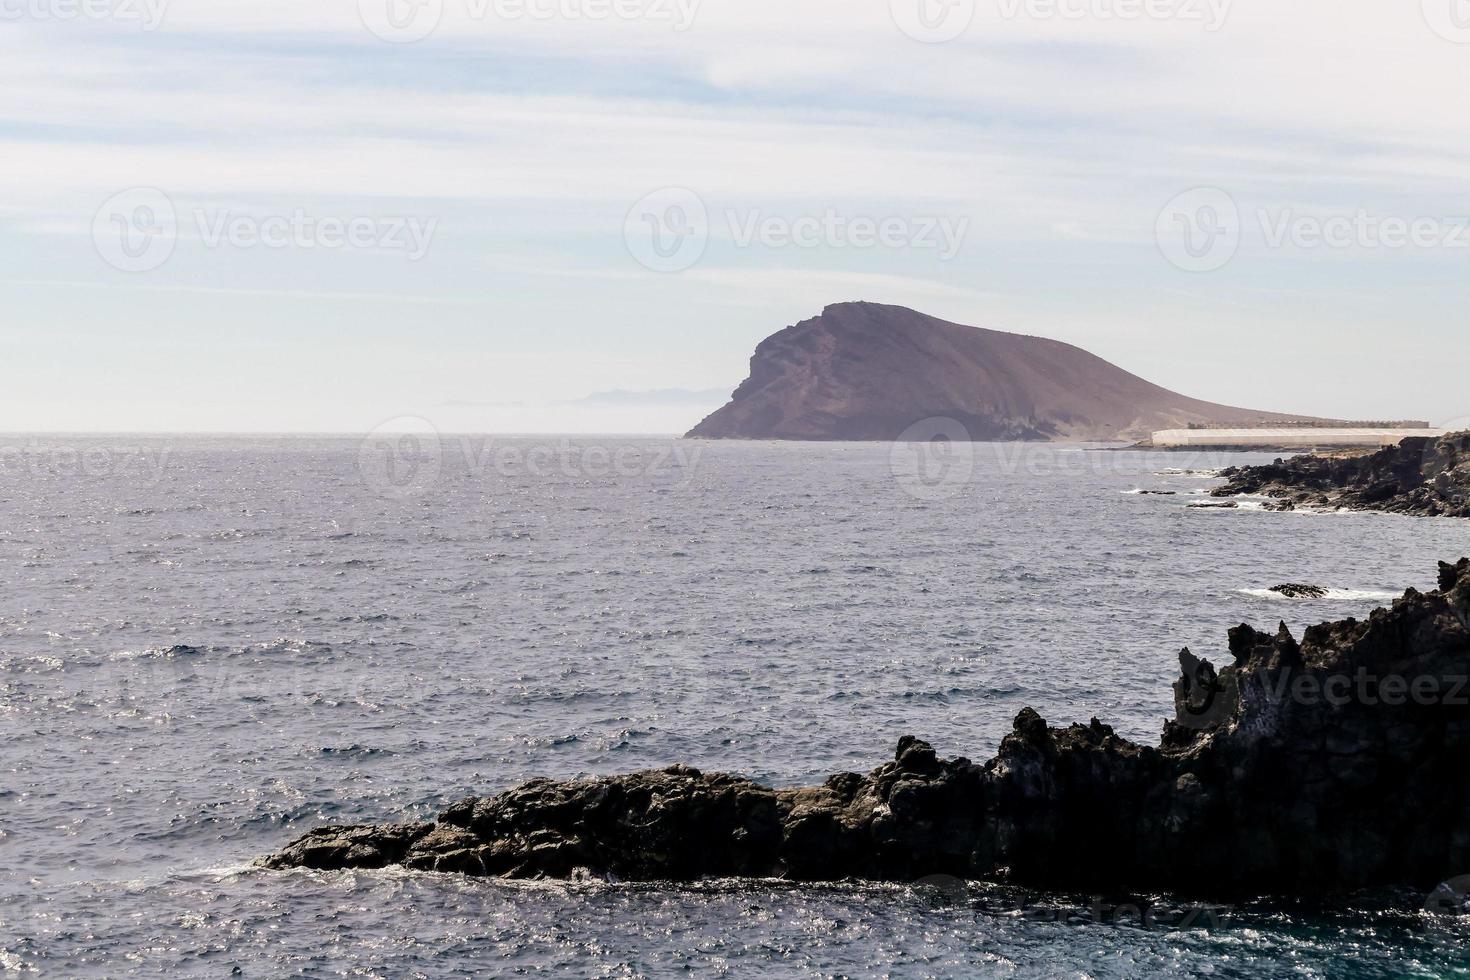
x=1426, y=477
x=1256, y=787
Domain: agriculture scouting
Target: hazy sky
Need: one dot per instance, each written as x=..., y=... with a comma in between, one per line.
x=319, y=215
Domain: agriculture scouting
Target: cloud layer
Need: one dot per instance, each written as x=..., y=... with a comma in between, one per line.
x=1055, y=131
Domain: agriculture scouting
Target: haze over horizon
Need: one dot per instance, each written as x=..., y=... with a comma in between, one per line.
x=361, y=229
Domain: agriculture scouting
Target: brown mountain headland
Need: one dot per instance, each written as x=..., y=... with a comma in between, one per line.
x=869, y=372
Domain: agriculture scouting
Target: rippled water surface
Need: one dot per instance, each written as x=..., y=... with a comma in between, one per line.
x=209, y=645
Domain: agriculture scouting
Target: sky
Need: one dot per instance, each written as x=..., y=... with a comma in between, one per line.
x=583, y=215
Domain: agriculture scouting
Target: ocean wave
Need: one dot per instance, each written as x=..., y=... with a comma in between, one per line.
x=1232, y=504
x=1351, y=512
x=179, y=651
x=1333, y=595
x=354, y=751
x=290, y=645
x=37, y=664
x=12, y=963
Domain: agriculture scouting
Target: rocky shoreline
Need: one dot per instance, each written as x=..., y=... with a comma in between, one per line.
x=1304, y=767
x=1420, y=476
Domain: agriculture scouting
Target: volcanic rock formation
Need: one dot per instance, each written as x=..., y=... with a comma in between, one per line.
x=1294, y=590
x=1423, y=476
x=1315, y=766
x=864, y=371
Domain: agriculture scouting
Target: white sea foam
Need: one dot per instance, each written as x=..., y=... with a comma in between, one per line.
x=176, y=652
x=1207, y=474
x=221, y=871
x=1333, y=595
x=11, y=963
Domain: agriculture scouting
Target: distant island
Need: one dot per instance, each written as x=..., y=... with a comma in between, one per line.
x=870, y=372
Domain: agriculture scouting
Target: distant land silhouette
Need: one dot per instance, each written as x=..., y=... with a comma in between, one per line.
x=870, y=372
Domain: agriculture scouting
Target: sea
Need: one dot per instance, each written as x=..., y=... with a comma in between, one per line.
x=209, y=645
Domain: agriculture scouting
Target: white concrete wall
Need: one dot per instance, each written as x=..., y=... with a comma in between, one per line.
x=1305, y=438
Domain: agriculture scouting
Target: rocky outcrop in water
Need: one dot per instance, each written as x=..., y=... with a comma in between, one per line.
x=1422, y=476
x=1294, y=590
x=1302, y=766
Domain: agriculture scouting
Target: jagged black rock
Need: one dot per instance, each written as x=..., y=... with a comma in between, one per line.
x=1320, y=766
x=1420, y=476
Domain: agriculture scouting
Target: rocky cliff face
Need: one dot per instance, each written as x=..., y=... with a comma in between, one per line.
x=863, y=371
x=1309, y=766
x=1420, y=476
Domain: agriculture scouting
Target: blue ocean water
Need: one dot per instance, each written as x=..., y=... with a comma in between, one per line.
x=209, y=645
